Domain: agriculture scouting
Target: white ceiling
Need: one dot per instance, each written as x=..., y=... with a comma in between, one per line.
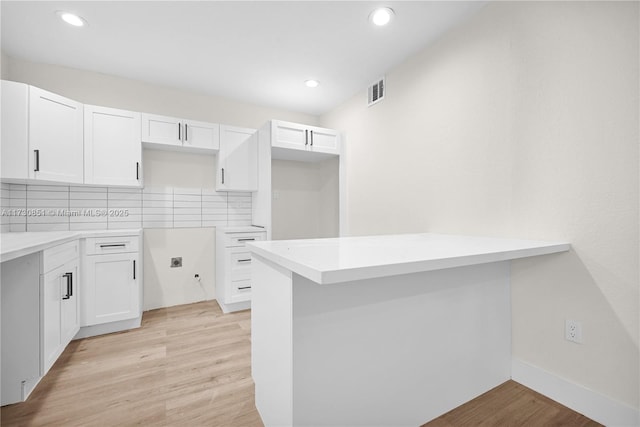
x=255, y=51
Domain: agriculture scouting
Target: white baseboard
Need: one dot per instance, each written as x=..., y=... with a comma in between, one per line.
x=587, y=402
x=108, y=328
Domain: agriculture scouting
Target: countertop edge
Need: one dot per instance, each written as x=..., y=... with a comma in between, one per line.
x=326, y=277
x=55, y=238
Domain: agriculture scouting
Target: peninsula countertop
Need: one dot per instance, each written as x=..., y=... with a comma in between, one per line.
x=341, y=259
x=16, y=244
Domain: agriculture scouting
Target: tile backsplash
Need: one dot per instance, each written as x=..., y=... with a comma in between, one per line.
x=27, y=207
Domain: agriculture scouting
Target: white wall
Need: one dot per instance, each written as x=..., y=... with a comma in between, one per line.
x=521, y=122
x=305, y=199
x=164, y=286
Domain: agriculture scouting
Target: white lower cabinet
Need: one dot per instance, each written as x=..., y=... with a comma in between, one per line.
x=233, y=266
x=59, y=301
x=112, y=280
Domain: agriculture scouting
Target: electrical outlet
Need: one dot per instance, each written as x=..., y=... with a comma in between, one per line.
x=176, y=262
x=573, y=331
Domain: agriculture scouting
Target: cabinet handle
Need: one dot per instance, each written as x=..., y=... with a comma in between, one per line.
x=248, y=239
x=134, y=269
x=36, y=160
x=306, y=137
x=311, y=138
x=244, y=287
x=69, y=278
x=138, y=171
x=114, y=245
x=179, y=132
x=223, y=175
x=186, y=132
x=245, y=260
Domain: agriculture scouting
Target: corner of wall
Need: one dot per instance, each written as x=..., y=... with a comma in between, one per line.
x=4, y=66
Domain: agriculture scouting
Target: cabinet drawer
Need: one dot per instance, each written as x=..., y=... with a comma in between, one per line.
x=241, y=287
x=240, y=263
x=240, y=239
x=59, y=255
x=111, y=245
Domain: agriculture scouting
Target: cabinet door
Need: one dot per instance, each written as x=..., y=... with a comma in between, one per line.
x=69, y=307
x=161, y=129
x=324, y=140
x=113, y=149
x=55, y=137
x=201, y=135
x=290, y=135
x=53, y=289
x=14, y=143
x=238, y=160
x=111, y=288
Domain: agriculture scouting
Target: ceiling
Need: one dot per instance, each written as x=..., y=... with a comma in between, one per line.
x=254, y=51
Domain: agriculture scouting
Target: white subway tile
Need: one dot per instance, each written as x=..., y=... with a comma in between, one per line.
x=17, y=228
x=124, y=225
x=187, y=217
x=157, y=224
x=48, y=227
x=187, y=224
x=190, y=205
x=87, y=204
x=187, y=198
x=157, y=204
x=77, y=226
x=184, y=191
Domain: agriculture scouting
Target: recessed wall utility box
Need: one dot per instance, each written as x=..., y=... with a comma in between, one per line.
x=176, y=262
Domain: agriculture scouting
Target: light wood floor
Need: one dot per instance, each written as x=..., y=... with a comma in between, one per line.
x=190, y=366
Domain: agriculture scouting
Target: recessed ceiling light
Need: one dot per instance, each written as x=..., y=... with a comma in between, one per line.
x=312, y=83
x=381, y=16
x=72, y=19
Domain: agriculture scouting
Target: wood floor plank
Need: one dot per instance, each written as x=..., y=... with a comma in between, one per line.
x=190, y=365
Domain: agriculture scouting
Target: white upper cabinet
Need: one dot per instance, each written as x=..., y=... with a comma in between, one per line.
x=169, y=133
x=238, y=160
x=41, y=135
x=161, y=130
x=289, y=140
x=112, y=147
x=55, y=137
x=201, y=135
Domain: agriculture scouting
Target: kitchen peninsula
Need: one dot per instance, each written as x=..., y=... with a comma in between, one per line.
x=380, y=330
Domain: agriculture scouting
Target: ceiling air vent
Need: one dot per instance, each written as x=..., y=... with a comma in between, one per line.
x=376, y=92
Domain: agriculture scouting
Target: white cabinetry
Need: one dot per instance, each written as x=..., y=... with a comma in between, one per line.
x=60, y=309
x=41, y=135
x=169, y=133
x=288, y=136
x=20, y=323
x=55, y=137
x=233, y=266
x=238, y=160
x=112, y=280
x=293, y=142
x=112, y=147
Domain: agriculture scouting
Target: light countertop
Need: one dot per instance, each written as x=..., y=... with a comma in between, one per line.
x=240, y=229
x=342, y=259
x=15, y=245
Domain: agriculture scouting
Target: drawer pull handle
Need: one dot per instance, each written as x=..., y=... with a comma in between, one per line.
x=245, y=260
x=247, y=239
x=134, y=269
x=242, y=288
x=118, y=245
x=69, y=277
